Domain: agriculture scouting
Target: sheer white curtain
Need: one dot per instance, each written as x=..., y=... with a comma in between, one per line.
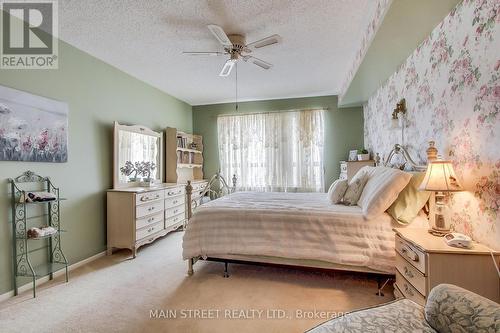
x=277, y=151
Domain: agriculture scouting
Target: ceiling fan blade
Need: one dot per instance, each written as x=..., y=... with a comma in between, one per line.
x=203, y=53
x=258, y=62
x=274, y=39
x=219, y=33
x=228, y=66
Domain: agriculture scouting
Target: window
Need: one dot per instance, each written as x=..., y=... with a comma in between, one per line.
x=277, y=151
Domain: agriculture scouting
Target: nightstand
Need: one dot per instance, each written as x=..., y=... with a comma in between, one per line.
x=349, y=168
x=423, y=261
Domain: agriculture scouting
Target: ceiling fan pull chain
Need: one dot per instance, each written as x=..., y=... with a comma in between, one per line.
x=236, y=86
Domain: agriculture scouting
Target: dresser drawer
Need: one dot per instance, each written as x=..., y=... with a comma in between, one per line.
x=174, y=211
x=148, y=196
x=413, y=255
x=148, y=220
x=172, y=192
x=149, y=209
x=149, y=230
x=175, y=201
x=408, y=290
x=411, y=274
x=174, y=220
x=343, y=167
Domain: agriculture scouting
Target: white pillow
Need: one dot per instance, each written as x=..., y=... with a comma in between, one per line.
x=381, y=190
x=355, y=187
x=337, y=190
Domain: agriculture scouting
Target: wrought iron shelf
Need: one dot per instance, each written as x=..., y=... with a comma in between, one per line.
x=40, y=202
x=44, y=270
x=42, y=237
x=49, y=214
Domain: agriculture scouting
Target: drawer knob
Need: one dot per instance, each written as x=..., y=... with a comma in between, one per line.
x=408, y=290
x=151, y=208
x=408, y=273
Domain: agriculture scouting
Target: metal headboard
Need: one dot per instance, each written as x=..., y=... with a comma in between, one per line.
x=216, y=187
x=405, y=161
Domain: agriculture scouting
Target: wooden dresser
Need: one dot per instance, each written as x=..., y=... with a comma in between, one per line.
x=349, y=168
x=423, y=261
x=139, y=215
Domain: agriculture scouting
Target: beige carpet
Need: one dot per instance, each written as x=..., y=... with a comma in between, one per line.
x=116, y=294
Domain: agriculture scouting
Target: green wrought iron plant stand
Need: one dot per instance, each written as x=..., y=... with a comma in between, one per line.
x=24, y=247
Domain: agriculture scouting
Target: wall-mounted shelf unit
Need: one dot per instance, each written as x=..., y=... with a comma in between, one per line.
x=26, y=215
x=184, y=156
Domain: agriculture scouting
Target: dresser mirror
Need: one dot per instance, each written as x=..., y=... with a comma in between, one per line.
x=137, y=157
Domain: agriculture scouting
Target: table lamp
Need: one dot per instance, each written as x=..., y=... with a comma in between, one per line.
x=440, y=178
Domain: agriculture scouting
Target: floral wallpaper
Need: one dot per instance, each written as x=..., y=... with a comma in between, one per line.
x=371, y=29
x=451, y=84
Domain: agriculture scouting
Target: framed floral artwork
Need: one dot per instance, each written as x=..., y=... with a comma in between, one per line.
x=32, y=128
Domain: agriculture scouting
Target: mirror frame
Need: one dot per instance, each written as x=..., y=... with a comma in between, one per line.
x=135, y=129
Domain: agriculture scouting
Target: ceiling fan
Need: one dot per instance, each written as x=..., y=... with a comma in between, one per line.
x=235, y=46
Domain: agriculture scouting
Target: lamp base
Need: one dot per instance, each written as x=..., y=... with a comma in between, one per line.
x=439, y=232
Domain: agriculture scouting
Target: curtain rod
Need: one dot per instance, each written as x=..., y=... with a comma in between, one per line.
x=268, y=112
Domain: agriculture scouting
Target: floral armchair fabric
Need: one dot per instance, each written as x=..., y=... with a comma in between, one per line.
x=449, y=309
x=452, y=309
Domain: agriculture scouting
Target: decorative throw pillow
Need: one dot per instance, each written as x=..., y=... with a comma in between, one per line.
x=410, y=201
x=355, y=187
x=381, y=190
x=337, y=190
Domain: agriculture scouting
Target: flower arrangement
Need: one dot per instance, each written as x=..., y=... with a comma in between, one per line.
x=138, y=169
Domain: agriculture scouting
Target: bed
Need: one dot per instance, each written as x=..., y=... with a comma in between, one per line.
x=298, y=229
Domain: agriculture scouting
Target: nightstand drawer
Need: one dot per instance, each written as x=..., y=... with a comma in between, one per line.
x=413, y=255
x=397, y=293
x=343, y=167
x=343, y=175
x=408, y=290
x=411, y=274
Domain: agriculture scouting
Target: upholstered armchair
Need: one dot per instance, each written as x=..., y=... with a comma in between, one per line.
x=448, y=309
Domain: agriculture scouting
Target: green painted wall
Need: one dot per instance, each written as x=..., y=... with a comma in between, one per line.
x=97, y=94
x=343, y=128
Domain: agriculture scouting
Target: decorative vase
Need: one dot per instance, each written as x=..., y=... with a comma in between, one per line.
x=147, y=182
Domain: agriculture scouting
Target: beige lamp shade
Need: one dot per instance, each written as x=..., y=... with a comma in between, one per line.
x=440, y=177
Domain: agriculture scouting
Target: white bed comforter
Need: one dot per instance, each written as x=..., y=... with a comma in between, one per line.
x=290, y=225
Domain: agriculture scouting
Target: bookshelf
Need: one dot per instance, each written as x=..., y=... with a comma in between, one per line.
x=184, y=156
